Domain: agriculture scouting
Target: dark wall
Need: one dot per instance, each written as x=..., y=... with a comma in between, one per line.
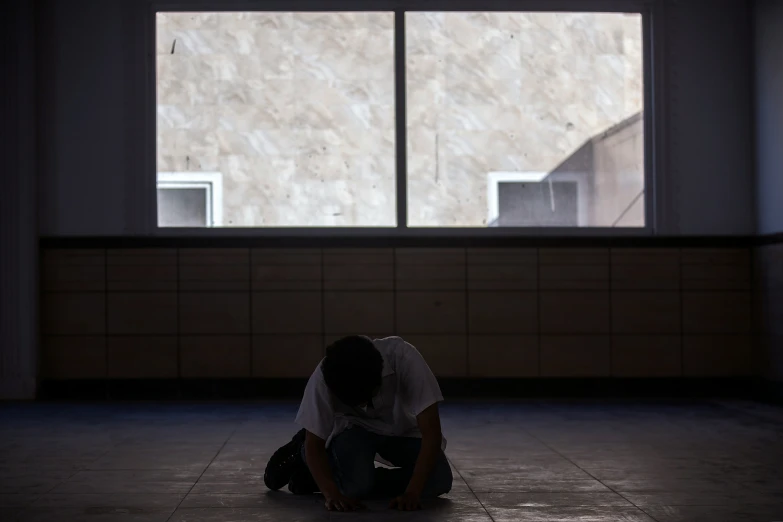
x=768, y=18
x=93, y=60
x=18, y=226
x=76, y=83
x=709, y=94
x=524, y=312
x=97, y=75
x=769, y=306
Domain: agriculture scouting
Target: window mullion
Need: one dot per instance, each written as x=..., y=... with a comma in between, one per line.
x=400, y=120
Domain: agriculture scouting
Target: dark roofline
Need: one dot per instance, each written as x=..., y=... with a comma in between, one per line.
x=619, y=126
x=614, y=129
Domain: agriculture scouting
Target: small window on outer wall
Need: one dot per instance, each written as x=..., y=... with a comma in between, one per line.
x=190, y=199
x=513, y=119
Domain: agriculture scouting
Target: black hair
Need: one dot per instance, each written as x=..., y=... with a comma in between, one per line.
x=352, y=369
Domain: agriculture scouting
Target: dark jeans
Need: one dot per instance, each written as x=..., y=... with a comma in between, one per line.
x=352, y=457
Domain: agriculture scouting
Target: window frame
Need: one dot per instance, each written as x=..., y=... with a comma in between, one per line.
x=654, y=149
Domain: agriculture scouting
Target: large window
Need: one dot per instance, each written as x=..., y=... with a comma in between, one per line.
x=511, y=119
x=296, y=110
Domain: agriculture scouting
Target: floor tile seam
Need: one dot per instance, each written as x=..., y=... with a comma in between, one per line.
x=73, y=474
x=451, y=463
x=591, y=475
x=179, y=504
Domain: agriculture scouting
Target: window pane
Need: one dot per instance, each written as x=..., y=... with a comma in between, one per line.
x=294, y=110
x=525, y=119
x=182, y=207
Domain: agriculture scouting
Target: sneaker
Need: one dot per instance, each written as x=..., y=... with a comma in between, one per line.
x=284, y=462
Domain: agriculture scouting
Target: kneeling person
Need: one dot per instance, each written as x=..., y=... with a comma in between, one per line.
x=367, y=399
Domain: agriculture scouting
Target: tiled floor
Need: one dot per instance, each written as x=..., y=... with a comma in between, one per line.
x=538, y=461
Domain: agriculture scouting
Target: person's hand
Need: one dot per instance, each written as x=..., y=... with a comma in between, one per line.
x=339, y=502
x=408, y=501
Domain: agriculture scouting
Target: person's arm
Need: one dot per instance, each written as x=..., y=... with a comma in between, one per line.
x=318, y=462
x=431, y=440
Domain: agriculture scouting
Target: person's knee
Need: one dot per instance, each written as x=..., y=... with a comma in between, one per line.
x=352, y=459
x=441, y=479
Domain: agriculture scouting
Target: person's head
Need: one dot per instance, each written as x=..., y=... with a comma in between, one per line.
x=352, y=369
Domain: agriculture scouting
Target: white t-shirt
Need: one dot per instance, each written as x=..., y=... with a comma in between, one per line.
x=408, y=387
